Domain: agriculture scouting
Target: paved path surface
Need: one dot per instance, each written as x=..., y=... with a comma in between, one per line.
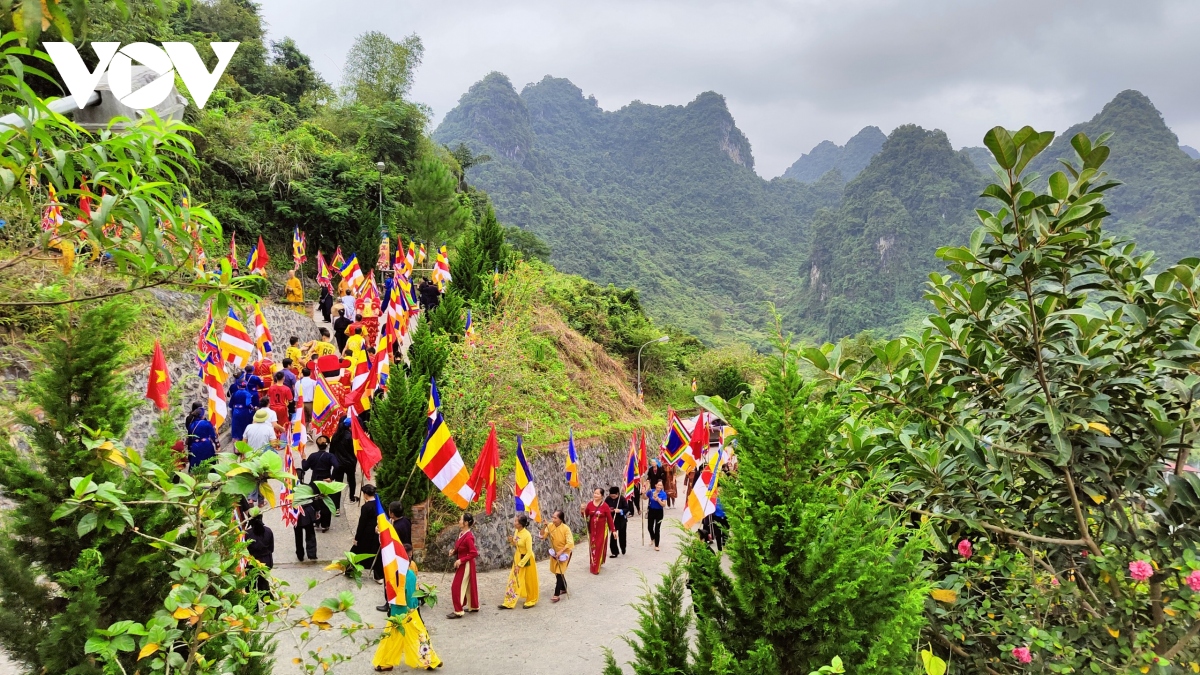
x=551, y=638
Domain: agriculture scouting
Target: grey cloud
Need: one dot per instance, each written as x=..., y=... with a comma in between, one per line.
x=796, y=73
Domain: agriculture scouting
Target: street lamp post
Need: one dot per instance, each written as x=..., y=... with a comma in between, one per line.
x=380, y=165
x=639, y=362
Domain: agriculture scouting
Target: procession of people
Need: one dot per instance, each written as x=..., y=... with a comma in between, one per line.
x=311, y=407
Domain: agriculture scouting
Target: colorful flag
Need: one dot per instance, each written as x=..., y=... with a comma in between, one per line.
x=496, y=278
x=262, y=334
x=258, y=258
x=299, y=247
x=441, y=269
x=643, y=458
x=631, y=474
x=677, y=440
x=470, y=334
x=236, y=343
x=351, y=272
x=323, y=400
x=324, y=275
x=214, y=381
x=365, y=450
x=410, y=258
x=337, y=261
x=440, y=459
x=526, y=492
x=420, y=252
x=572, y=470
x=233, y=260
x=296, y=436
x=697, y=445
x=288, y=509
x=483, y=477
x=205, y=343
x=393, y=558
x=159, y=383
x=702, y=499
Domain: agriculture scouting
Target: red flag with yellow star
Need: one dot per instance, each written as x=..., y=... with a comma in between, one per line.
x=159, y=383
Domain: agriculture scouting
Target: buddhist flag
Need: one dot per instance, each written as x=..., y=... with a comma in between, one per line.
x=421, y=254
x=483, y=476
x=440, y=459
x=159, y=383
x=572, y=470
x=351, y=272
x=299, y=247
x=526, y=492
x=258, y=257
x=323, y=400
x=631, y=474
x=262, y=334
x=236, y=343
x=214, y=382
x=410, y=258
x=470, y=334
x=441, y=269
x=205, y=342
x=702, y=499
x=324, y=274
x=677, y=440
x=392, y=556
x=365, y=450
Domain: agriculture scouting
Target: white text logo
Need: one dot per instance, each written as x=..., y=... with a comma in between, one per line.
x=164, y=60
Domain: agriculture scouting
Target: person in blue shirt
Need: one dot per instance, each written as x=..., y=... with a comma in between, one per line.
x=201, y=437
x=656, y=502
x=241, y=411
x=253, y=384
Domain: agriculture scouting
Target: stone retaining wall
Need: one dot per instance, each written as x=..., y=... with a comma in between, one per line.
x=185, y=381
x=601, y=464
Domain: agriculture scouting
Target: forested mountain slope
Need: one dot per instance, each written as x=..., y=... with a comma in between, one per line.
x=848, y=159
x=663, y=198
x=1158, y=204
x=869, y=259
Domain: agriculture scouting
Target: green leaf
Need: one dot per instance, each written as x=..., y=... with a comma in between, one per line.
x=956, y=253
x=962, y=436
x=930, y=359
x=816, y=357
x=86, y=524
x=1060, y=187
x=1054, y=419
x=978, y=296
x=1000, y=142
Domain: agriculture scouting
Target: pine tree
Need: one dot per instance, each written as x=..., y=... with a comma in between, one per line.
x=482, y=254
x=397, y=422
x=80, y=387
x=449, y=317
x=663, y=624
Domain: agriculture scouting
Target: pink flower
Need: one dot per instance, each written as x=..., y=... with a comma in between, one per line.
x=1193, y=580
x=1140, y=570
x=1021, y=654
x=964, y=548
x=1053, y=581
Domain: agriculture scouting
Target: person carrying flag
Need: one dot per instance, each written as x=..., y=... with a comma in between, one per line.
x=464, y=591
x=657, y=501
x=600, y=528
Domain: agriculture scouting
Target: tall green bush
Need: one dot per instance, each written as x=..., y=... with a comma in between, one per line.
x=79, y=387
x=817, y=567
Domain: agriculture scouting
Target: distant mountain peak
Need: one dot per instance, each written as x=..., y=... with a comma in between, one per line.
x=1190, y=151
x=848, y=159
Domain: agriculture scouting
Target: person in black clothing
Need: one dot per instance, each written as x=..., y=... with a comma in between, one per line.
x=366, y=539
x=306, y=532
x=260, y=544
x=655, y=475
x=429, y=294
x=342, y=447
x=322, y=463
x=621, y=512
x=340, y=324
x=403, y=527
x=325, y=303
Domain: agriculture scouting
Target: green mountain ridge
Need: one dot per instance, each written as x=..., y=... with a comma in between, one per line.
x=662, y=198
x=849, y=159
x=665, y=199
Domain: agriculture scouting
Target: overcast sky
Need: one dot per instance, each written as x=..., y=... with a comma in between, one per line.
x=796, y=73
